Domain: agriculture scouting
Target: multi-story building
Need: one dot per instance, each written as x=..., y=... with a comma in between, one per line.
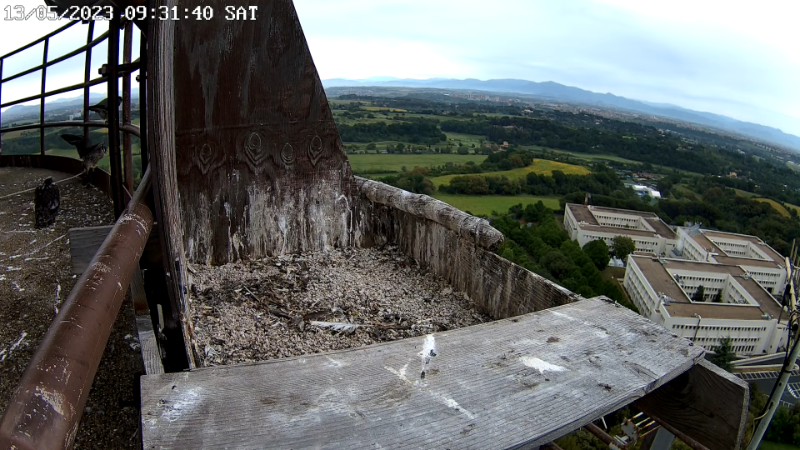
x=735, y=305
x=760, y=260
x=586, y=223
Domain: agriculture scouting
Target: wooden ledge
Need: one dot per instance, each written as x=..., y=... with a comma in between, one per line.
x=524, y=380
x=476, y=229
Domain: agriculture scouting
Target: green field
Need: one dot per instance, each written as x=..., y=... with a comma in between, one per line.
x=467, y=139
x=540, y=166
x=766, y=445
x=377, y=163
x=485, y=204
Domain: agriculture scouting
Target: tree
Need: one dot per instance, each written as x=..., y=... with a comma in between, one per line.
x=699, y=294
x=623, y=246
x=371, y=146
x=718, y=297
x=597, y=250
x=724, y=355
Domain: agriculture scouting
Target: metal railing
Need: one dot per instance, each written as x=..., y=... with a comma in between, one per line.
x=46, y=408
x=121, y=183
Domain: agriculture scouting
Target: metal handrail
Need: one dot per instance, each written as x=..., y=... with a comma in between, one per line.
x=129, y=128
x=41, y=39
x=32, y=421
x=74, y=87
x=55, y=61
x=47, y=406
x=115, y=71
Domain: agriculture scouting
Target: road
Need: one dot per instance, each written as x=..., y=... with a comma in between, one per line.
x=766, y=380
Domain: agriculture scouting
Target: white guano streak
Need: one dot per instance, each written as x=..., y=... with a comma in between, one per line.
x=541, y=366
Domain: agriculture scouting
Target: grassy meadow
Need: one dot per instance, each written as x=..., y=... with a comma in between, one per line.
x=485, y=204
x=540, y=166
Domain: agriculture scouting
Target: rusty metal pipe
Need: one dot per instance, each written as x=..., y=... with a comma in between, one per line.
x=691, y=443
x=599, y=433
x=48, y=403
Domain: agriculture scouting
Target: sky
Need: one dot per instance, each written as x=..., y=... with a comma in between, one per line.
x=731, y=57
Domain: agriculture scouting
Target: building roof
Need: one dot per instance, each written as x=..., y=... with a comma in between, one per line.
x=662, y=281
x=584, y=214
x=704, y=239
x=776, y=257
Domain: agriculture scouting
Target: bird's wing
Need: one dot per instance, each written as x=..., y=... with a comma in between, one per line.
x=53, y=198
x=73, y=139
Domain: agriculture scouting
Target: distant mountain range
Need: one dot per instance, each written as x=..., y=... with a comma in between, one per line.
x=54, y=106
x=558, y=92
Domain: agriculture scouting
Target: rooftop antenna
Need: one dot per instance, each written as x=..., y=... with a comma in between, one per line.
x=777, y=392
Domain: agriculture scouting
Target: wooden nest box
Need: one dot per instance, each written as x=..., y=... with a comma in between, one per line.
x=249, y=164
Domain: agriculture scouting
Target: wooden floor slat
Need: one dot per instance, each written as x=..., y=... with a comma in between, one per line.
x=524, y=380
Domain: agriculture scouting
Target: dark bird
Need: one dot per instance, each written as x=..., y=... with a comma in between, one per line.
x=47, y=203
x=88, y=152
x=102, y=108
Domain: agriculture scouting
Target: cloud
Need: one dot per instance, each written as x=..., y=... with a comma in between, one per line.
x=732, y=57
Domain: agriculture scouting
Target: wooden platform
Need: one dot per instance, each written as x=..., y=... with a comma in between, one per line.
x=524, y=380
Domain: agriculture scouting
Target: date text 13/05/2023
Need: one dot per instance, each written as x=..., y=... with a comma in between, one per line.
x=196, y=13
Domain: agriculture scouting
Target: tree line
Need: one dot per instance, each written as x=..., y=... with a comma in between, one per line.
x=415, y=131
x=546, y=249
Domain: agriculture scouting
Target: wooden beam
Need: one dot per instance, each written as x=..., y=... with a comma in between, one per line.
x=262, y=170
x=454, y=246
x=151, y=354
x=161, y=144
x=706, y=404
x=515, y=382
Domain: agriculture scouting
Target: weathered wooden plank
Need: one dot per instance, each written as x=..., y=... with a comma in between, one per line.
x=475, y=229
x=706, y=403
x=161, y=144
x=84, y=242
x=151, y=354
x=524, y=380
x=499, y=287
x=261, y=168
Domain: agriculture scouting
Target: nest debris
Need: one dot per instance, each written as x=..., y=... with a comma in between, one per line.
x=311, y=303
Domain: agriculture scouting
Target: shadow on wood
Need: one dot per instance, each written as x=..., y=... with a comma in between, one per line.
x=706, y=403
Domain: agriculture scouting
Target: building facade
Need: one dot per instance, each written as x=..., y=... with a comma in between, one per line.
x=734, y=303
x=586, y=223
x=760, y=260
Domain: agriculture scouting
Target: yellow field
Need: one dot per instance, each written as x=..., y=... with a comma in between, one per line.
x=540, y=166
x=775, y=205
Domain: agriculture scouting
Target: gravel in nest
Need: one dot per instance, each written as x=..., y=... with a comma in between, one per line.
x=312, y=303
